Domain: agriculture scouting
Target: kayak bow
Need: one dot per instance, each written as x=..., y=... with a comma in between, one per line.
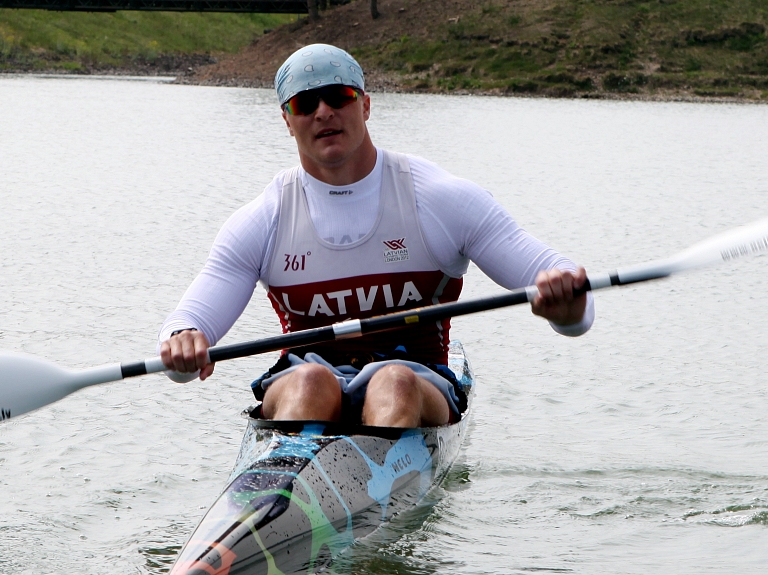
x=302, y=492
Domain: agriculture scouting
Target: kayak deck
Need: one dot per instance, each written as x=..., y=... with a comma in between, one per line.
x=301, y=492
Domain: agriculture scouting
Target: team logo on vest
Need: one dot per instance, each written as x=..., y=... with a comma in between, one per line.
x=395, y=251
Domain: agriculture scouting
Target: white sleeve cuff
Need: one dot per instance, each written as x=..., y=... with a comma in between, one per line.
x=577, y=329
x=179, y=377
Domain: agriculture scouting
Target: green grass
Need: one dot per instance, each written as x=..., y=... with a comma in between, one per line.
x=70, y=40
x=571, y=47
x=717, y=48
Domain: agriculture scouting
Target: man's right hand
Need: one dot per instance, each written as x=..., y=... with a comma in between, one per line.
x=186, y=352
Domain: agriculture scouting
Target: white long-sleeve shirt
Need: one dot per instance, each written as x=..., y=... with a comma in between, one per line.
x=461, y=222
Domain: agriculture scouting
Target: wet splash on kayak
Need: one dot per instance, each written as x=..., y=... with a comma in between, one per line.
x=638, y=448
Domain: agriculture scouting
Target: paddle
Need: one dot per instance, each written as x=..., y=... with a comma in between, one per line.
x=27, y=383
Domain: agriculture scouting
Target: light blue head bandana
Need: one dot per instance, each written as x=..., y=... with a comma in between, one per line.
x=314, y=66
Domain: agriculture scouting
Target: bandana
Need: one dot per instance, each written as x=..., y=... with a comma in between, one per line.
x=314, y=66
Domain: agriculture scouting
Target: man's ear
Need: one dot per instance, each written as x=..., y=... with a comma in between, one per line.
x=285, y=119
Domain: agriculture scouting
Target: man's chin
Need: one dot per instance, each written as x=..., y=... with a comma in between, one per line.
x=332, y=156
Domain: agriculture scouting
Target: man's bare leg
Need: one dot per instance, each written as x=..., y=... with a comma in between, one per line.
x=309, y=392
x=397, y=397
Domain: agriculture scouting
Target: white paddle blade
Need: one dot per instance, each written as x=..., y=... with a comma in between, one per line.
x=28, y=383
x=744, y=241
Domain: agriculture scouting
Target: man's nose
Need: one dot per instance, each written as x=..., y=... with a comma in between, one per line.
x=323, y=109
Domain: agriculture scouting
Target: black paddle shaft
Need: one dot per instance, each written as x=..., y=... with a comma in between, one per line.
x=371, y=325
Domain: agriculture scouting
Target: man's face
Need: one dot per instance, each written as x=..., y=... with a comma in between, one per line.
x=330, y=137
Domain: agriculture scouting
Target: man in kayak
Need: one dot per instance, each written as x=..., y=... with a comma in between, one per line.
x=357, y=231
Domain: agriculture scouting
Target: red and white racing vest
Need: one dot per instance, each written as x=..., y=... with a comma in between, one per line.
x=313, y=283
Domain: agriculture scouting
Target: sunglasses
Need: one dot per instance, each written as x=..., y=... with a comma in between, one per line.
x=306, y=102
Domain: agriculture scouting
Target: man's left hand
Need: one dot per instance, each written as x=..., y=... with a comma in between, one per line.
x=556, y=301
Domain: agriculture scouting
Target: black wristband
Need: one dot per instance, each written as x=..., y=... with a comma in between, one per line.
x=178, y=331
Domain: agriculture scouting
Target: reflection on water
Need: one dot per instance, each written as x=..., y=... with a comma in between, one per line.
x=159, y=559
x=627, y=450
x=400, y=547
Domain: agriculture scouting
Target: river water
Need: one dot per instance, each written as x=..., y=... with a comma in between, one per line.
x=640, y=447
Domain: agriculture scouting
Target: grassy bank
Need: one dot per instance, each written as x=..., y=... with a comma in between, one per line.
x=131, y=41
x=581, y=47
x=569, y=48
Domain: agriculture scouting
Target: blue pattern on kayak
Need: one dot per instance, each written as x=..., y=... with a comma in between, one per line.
x=410, y=453
x=302, y=445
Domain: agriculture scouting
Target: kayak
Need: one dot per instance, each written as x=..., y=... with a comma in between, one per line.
x=301, y=492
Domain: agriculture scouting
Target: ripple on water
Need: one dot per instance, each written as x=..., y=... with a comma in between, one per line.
x=159, y=556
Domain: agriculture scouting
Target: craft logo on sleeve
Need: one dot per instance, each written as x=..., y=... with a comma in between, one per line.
x=395, y=251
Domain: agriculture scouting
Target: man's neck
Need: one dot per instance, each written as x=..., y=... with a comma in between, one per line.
x=350, y=170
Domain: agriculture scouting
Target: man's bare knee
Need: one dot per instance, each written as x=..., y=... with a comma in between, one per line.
x=393, y=398
x=313, y=382
x=309, y=392
x=397, y=397
x=395, y=381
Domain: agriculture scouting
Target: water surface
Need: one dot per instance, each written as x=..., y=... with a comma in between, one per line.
x=640, y=447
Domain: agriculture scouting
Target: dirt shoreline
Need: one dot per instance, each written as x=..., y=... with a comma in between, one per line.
x=375, y=82
x=392, y=86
